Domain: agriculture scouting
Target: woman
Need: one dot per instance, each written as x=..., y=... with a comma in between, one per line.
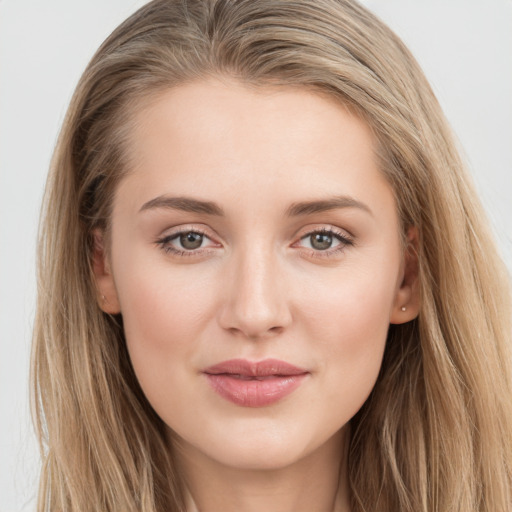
x=265, y=281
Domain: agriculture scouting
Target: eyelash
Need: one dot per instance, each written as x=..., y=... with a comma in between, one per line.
x=164, y=243
x=343, y=239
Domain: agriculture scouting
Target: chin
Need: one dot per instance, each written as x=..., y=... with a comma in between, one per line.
x=256, y=446
x=261, y=455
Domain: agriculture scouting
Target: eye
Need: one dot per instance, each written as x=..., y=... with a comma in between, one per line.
x=321, y=241
x=325, y=242
x=186, y=243
x=190, y=240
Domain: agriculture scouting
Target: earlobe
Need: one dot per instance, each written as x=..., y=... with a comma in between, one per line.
x=107, y=300
x=407, y=300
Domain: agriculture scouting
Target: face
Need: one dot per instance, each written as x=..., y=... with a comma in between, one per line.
x=256, y=261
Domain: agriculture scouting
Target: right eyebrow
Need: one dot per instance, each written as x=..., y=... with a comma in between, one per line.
x=186, y=204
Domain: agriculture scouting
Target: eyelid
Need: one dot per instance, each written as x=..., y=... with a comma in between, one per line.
x=324, y=228
x=186, y=228
x=164, y=240
x=345, y=238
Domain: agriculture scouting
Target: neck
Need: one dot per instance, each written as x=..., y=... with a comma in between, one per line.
x=316, y=482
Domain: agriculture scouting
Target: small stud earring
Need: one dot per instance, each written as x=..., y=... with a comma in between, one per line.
x=403, y=308
x=103, y=298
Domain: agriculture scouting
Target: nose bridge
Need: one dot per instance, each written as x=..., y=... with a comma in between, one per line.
x=257, y=304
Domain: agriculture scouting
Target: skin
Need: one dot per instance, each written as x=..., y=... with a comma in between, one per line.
x=258, y=286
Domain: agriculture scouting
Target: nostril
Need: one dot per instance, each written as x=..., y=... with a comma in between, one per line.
x=270, y=332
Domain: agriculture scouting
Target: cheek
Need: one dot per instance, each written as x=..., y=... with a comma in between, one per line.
x=349, y=325
x=352, y=309
x=164, y=312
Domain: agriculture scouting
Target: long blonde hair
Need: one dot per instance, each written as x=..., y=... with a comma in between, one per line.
x=436, y=432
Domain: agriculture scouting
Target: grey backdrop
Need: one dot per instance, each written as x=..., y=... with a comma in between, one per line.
x=464, y=46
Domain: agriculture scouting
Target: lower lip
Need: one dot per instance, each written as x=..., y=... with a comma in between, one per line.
x=254, y=392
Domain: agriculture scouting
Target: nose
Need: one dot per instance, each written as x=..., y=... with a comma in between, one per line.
x=256, y=301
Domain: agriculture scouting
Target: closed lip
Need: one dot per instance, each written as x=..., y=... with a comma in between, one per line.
x=265, y=368
x=254, y=384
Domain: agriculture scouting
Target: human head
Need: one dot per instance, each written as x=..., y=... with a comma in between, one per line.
x=334, y=47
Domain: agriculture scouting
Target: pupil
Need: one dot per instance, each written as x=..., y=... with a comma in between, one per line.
x=321, y=241
x=191, y=240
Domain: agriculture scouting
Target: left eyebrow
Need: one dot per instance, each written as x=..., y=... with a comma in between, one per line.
x=324, y=205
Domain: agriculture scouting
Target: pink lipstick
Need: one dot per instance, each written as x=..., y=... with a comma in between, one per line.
x=254, y=384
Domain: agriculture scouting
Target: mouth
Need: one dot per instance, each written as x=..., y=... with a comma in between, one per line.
x=254, y=384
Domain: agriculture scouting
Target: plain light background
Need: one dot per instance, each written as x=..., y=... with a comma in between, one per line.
x=464, y=47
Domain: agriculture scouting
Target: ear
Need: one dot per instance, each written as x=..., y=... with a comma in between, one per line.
x=407, y=300
x=105, y=285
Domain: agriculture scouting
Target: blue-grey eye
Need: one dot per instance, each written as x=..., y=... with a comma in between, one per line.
x=321, y=241
x=191, y=240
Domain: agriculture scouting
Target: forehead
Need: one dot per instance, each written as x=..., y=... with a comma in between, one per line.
x=224, y=138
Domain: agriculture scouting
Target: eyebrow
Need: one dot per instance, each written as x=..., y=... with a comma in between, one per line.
x=186, y=204
x=324, y=205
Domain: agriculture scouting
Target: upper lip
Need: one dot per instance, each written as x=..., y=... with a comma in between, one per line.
x=264, y=368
